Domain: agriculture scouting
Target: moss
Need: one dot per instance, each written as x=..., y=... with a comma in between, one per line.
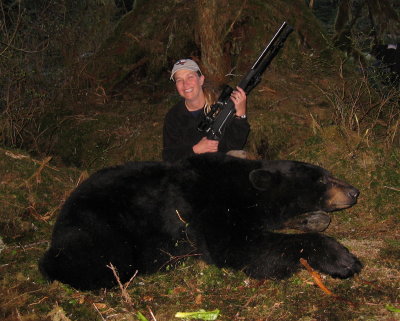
x=313, y=140
x=73, y=309
x=391, y=251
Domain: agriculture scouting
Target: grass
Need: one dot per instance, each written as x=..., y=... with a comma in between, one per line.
x=33, y=189
x=370, y=230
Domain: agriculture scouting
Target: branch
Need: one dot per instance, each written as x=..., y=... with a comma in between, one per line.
x=123, y=287
x=15, y=31
x=318, y=281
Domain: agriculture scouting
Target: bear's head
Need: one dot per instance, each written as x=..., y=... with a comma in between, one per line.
x=297, y=187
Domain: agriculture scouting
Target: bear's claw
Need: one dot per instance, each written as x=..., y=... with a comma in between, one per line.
x=336, y=260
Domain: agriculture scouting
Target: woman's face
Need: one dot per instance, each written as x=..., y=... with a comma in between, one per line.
x=189, y=84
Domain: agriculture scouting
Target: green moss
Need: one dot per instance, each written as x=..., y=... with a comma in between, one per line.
x=82, y=311
x=313, y=140
x=391, y=251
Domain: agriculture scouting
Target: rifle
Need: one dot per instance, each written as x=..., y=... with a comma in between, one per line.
x=223, y=111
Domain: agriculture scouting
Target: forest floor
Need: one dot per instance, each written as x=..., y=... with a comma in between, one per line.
x=288, y=122
x=33, y=190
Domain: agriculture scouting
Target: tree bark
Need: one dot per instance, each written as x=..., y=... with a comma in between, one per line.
x=211, y=25
x=384, y=18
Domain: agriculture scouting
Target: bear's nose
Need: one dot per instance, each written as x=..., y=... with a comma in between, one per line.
x=353, y=193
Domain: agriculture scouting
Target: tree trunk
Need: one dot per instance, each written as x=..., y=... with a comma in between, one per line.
x=211, y=26
x=384, y=17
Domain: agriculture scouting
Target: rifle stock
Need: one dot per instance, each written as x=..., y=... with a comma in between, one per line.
x=223, y=111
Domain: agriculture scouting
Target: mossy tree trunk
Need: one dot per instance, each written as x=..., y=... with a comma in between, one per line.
x=211, y=28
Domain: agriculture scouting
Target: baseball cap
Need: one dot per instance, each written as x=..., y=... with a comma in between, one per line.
x=184, y=64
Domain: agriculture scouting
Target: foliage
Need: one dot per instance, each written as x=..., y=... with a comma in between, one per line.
x=200, y=315
x=364, y=104
x=44, y=44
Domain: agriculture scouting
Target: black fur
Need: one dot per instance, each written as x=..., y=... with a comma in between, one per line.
x=137, y=215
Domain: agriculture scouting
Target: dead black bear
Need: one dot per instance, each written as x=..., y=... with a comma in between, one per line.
x=136, y=216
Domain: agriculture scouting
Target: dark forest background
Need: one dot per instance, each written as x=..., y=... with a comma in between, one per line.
x=59, y=58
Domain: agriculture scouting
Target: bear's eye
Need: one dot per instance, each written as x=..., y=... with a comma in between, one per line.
x=322, y=180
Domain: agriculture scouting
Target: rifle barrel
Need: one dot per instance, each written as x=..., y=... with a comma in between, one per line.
x=223, y=111
x=277, y=34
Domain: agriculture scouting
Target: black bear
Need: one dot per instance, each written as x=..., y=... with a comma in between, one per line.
x=140, y=215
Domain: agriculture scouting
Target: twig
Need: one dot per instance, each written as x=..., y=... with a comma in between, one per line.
x=152, y=314
x=234, y=20
x=99, y=312
x=9, y=45
x=15, y=156
x=318, y=281
x=47, y=165
x=123, y=287
x=40, y=169
x=82, y=177
x=20, y=295
x=392, y=188
x=18, y=315
x=38, y=302
x=180, y=217
x=22, y=156
x=15, y=31
x=27, y=246
x=316, y=277
x=176, y=258
x=37, y=174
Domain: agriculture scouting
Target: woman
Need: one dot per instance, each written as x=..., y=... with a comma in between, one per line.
x=181, y=138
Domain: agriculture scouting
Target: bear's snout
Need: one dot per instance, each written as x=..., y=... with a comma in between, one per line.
x=353, y=193
x=341, y=195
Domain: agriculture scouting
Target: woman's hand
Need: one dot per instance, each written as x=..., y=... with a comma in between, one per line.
x=239, y=97
x=206, y=146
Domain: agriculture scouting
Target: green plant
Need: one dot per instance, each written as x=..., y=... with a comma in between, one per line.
x=364, y=108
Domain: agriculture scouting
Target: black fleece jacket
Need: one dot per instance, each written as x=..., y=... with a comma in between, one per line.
x=181, y=134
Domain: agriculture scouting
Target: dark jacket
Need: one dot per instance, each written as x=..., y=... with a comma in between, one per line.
x=181, y=133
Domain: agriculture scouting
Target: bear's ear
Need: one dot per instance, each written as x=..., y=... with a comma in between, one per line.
x=260, y=179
